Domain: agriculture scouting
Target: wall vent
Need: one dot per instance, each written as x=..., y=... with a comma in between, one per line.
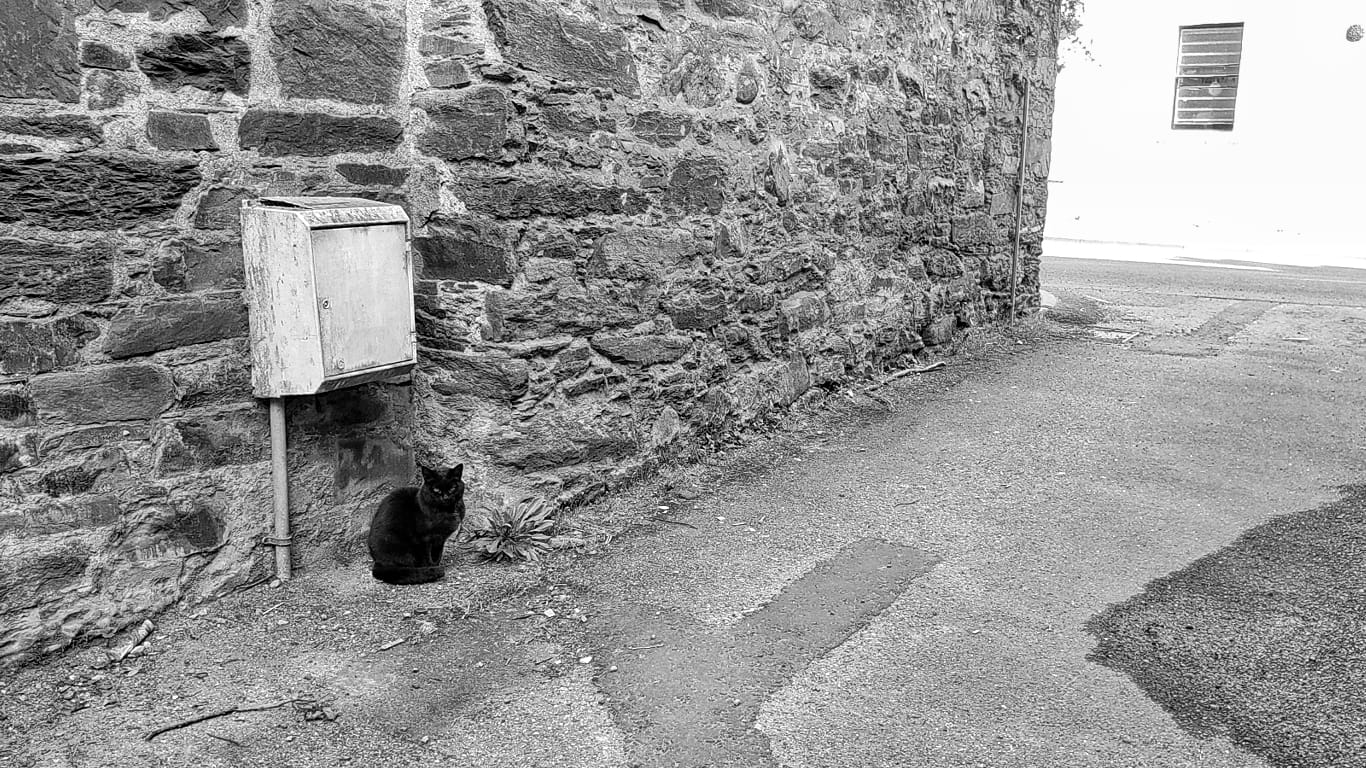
x=1207, y=76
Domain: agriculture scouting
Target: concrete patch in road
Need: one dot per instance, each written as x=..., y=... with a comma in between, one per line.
x=1212, y=335
x=1262, y=641
x=688, y=694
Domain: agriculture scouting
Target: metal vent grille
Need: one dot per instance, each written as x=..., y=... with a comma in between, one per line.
x=1207, y=76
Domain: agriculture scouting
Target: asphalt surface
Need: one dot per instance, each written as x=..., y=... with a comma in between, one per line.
x=996, y=569
x=1263, y=640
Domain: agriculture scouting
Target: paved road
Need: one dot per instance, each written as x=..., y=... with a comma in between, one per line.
x=1130, y=545
x=1068, y=501
x=1049, y=491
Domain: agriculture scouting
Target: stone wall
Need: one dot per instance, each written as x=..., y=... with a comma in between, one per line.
x=638, y=223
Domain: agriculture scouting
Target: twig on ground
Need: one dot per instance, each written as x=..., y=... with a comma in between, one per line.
x=643, y=647
x=213, y=715
x=233, y=742
x=393, y=643
x=884, y=402
x=888, y=379
x=676, y=522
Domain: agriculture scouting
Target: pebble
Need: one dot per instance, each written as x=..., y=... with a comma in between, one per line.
x=275, y=583
x=585, y=659
x=612, y=668
x=549, y=613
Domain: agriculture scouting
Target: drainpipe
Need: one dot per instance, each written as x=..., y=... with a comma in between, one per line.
x=1019, y=201
x=279, y=475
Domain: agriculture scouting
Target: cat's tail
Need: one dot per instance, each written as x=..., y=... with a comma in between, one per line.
x=407, y=574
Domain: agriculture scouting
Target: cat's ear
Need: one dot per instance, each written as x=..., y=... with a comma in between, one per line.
x=428, y=476
x=456, y=472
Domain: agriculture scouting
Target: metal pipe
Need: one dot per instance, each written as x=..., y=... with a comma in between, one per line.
x=1019, y=201
x=279, y=474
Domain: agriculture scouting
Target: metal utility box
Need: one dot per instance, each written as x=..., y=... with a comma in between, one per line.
x=330, y=293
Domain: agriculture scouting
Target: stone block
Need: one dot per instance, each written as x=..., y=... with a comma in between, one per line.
x=567, y=120
x=179, y=131
x=347, y=50
x=803, y=311
x=975, y=229
x=103, y=393
x=40, y=51
x=370, y=175
x=45, y=515
x=190, y=266
x=744, y=9
x=62, y=273
x=198, y=525
x=447, y=74
x=467, y=249
x=470, y=123
x=698, y=184
x=85, y=438
x=34, y=570
x=828, y=86
x=175, y=323
x=562, y=46
x=558, y=438
x=216, y=381
x=748, y=82
x=649, y=349
x=662, y=128
x=38, y=347
x=483, y=375
x=697, y=311
x=210, y=62
x=235, y=437
x=218, y=13
x=942, y=264
x=544, y=194
x=91, y=191
x=1002, y=202
x=316, y=134
x=76, y=127
x=221, y=208
x=642, y=253
x=80, y=478
x=101, y=56
x=16, y=408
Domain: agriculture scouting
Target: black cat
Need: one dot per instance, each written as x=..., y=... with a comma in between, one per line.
x=409, y=530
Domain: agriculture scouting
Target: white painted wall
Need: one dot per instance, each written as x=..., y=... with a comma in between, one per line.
x=1291, y=174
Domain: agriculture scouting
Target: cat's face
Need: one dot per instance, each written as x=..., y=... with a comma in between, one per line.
x=446, y=485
